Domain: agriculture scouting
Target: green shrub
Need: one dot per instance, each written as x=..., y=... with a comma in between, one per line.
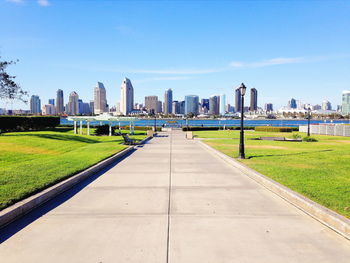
x=104, y=130
x=275, y=129
x=215, y=128
x=309, y=139
x=139, y=128
x=296, y=136
x=27, y=123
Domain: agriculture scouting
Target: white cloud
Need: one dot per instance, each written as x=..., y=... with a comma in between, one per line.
x=43, y=2
x=16, y=1
x=268, y=62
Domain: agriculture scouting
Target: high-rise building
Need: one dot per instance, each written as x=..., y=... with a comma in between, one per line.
x=205, y=104
x=159, y=106
x=345, y=107
x=52, y=101
x=292, y=104
x=191, y=104
x=80, y=103
x=222, y=102
x=151, y=104
x=214, y=105
x=73, y=104
x=100, y=99
x=59, y=102
x=168, y=101
x=268, y=107
x=229, y=108
x=92, y=106
x=126, y=97
x=175, y=107
x=86, y=108
x=49, y=109
x=238, y=100
x=182, y=107
x=253, y=100
x=316, y=107
x=326, y=105
x=35, y=104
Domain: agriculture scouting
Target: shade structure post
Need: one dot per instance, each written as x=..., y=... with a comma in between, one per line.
x=88, y=128
x=110, y=129
x=75, y=127
x=81, y=127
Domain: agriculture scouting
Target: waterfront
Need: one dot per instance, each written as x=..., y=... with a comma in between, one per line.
x=216, y=122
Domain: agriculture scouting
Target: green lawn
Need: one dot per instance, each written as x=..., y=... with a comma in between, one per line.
x=319, y=170
x=32, y=161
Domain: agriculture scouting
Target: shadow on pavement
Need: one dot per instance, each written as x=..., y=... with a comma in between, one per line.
x=16, y=226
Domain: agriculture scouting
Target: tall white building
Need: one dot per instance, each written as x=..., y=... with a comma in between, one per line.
x=168, y=101
x=126, y=97
x=35, y=104
x=59, y=102
x=345, y=102
x=326, y=105
x=222, y=102
x=73, y=104
x=100, y=100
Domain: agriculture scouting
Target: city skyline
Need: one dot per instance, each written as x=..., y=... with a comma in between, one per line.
x=218, y=101
x=309, y=61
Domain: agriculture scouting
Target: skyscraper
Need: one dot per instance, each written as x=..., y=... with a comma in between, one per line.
x=191, y=104
x=176, y=107
x=292, y=104
x=52, y=101
x=222, y=102
x=151, y=104
x=268, y=107
x=126, y=97
x=345, y=102
x=182, y=107
x=205, y=104
x=100, y=100
x=92, y=106
x=253, y=100
x=73, y=104
x=238, y=100
x=168, y=101
x=59, y=102
x=326, y=105
x=35, y=104
x=214, y=107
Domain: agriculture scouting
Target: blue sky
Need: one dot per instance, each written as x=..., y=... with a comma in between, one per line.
x=284, y=49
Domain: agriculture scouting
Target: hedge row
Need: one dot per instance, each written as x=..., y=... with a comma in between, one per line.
x=276, y=129
x=136, y=128
x=24, y=123
x=196, y=128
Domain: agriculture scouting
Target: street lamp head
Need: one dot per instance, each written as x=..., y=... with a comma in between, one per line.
x=242, y=88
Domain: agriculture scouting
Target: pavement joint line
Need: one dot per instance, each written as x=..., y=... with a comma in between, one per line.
x=322, y=214
x=23, y=207
x=169, y=199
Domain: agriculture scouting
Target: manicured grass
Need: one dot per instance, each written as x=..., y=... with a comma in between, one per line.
x=32, y=161
x=319, y=170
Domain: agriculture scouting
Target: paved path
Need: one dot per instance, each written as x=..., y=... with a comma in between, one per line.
x=173, y=201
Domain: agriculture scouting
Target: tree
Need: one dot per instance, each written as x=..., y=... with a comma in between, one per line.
x=9, y=89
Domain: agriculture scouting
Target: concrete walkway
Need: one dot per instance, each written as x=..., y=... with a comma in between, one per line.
x=173, y=201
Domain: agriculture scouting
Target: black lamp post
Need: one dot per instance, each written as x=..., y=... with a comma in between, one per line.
x=308, y=121
x=155, y=122
x=241, y=154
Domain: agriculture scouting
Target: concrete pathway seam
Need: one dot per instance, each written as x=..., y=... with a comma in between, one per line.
x=331, y=219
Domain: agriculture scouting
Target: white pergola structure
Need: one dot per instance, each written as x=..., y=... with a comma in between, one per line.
x=101, y=118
